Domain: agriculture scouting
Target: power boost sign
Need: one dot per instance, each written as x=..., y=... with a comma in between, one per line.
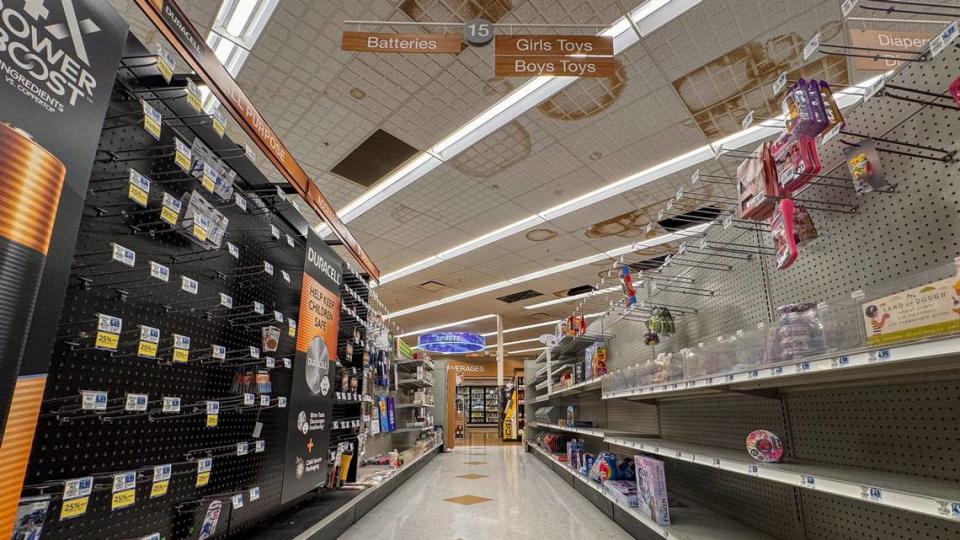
x=44, y=51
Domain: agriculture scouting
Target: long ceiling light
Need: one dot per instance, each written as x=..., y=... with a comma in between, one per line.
x=494, y=345
x=636, y=246
x=448, y=325
x=648, y=17
x=527, y=350
x=745, y=138
x=566, y=299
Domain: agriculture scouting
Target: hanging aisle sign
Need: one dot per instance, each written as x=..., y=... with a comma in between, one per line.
x=400, y=43
x=570, y=56
x=167, y=16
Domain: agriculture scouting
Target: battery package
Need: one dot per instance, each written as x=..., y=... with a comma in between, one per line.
x=202, y=222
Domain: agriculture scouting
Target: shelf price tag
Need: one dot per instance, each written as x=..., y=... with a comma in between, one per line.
x=201, y=226
x=259, y=446
x=281, y=402
x=76, y=497
x=136, y=402
x=950, y=509
x=219, y=352
x=747, y=120
x=240, y=201
x=268, y=268
x=234, y=250
x=275, y=232
x=753, y=470
x=808, y=481
x=171, y=209
x=204, y=466
x=183, y=156
x=193, y=96
x=237, y=501
x=108, y=332
x=944, y=38
x=271, y=362
x=161, y=480
x=210, y=178
x=780, y=83
x=171, y=404
x=874, y=88
x=291, y=327
x=243, y=448
x=226, y=300
x=254, y=352
x=219, y=122
x=123, y=255
x=159, y=271
x=812, y=46
x=264, y=400
x=213, y=413
x=93, y=400
x=152, y=120
x=124, y=490
x=285, y=275
x=254, y=493
x=776, y=371
x=847, y=7
x=166, y=63
x=249, y=399
x=290, y=241
x=189, y=285
x=871, y=493
x=139, y=189
x=181, y=348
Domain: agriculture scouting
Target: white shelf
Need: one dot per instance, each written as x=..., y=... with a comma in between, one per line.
x=411, y=406
x=938, y=498
x=415, y=382
x=597, y=432
x=690, y=522
x=866, y=363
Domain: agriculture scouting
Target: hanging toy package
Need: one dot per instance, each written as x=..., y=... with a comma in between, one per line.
x=626, y=282
x=863, y=161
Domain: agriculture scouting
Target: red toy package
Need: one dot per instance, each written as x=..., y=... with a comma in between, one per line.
x=781, y=227
x=756, y=185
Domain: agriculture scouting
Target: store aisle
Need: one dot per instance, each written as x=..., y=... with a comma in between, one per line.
x=486, y=493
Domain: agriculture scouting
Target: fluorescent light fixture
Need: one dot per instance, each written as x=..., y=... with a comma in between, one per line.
x=566, y=299
x=660, y=240
x=493, y=346
x=750, y=136
x=527, y=350
x=648, y=17
x=448, y=325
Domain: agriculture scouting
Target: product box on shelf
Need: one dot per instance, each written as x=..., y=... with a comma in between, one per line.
x=652, y=489
x=623, y=491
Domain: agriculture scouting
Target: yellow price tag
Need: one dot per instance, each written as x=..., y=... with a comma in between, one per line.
x=182, y=161
x=166, y=70
x=74, y=507
x=291, y=332
x=218, y=126
x=169, y=215
x=151, y=126
x=159, y=489
x=194, y=101
x=181, y=355
x=212, y=420
x=208, y=183
x=199, y=233
x=138, y=195
x=203, y=478
x=147, y=349
x=123, y=499
x=107, y=341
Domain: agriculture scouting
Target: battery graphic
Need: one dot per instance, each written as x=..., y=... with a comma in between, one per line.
x=31, y=179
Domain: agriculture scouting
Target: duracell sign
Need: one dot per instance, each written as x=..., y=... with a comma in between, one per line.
x=563, y=56
x=401, y=43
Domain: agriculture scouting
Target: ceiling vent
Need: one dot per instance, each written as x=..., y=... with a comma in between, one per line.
x=459, y=10
x=431, y=286
x=580, y=290
x=541, y=316
x=522, y=295
x=374, y=158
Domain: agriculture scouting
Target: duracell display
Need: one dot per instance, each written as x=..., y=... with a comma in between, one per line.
x=190, y=337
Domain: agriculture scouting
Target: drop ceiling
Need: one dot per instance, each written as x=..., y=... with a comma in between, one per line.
x=685, y=85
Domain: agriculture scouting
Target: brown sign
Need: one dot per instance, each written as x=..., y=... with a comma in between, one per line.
x=174, y=25
x=534, y=66
x=401, y=43
x=908, y=42
x=555, y=46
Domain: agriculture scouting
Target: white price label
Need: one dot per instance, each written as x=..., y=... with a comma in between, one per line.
x=123, y=255
x=258, y=308
x=181, y=342
x=78, y=487
x=260, y=446
x=728, y=221
x=875, y=87
x=268, y=268
x=285, y=275
x=249, y=153
x=264, y=400
x=812, y=46
x=277, y=316
x=275, y=232
x=808, y=481
x=944, y=38
x=249, y=399
x=241, y=202
x=254, y=493
x=226, y=300
x=162, y=472
x=189, y=285
x=213, y=407
x=109, y=323
x=282, y=402
x=204, y=465
x=747, y=120
x=237, y=501
x=290, y=241
x=171, y=404
x=847, y=6
x=287, y=363
x=93, y=400
x=871, y=493
x=780, y=83
x=254, y=352
x=219, y=352
x=124, y=481
x=159, y=271
x=234, y=250
x=149, y=334
x=271, y=362
x=136, y=402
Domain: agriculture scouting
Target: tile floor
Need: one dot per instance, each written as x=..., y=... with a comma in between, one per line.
x=485, y=493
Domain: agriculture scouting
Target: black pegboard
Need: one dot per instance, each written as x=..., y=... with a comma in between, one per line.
x=89, y=445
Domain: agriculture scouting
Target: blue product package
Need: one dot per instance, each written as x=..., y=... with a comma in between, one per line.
x=588, y=460
x=391, y=413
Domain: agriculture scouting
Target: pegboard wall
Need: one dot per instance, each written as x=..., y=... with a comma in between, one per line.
x=261, y=277
x=879, y=243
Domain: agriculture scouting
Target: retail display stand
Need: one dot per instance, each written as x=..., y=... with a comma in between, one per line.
x=860, y=415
